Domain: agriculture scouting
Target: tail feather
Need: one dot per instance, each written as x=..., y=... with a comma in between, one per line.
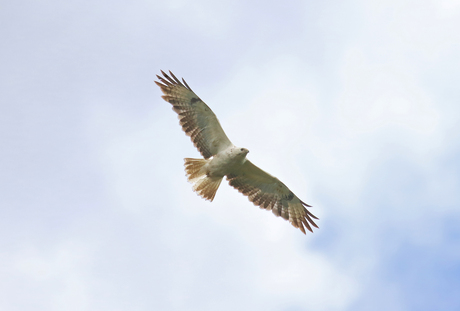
x=203, y=185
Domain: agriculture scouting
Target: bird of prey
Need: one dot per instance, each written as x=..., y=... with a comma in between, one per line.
x=222, y=158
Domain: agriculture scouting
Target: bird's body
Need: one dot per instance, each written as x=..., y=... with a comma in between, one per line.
x=223, y=159
x=226, y=162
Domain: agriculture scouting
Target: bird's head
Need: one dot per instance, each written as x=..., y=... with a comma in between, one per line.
x=243, y=151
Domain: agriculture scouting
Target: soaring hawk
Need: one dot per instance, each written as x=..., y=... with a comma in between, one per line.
x=222, y=158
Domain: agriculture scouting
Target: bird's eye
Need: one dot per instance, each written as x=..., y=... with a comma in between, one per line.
x=241, y=149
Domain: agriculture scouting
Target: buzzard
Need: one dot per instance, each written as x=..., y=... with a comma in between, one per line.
x=222, y=158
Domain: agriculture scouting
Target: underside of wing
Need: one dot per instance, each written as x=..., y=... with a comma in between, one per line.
x=196, y=118
x=270, y=193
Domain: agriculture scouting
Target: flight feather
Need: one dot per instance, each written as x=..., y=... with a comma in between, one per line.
x=268, y=192
x=196, y=118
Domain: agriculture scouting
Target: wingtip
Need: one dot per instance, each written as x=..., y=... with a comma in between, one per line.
x=186, y=85
x=303, y=229
x=171, y=80
x=304, y=204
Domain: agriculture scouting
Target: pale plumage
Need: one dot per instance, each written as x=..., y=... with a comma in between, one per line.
x=222, y=158
x=196, y=118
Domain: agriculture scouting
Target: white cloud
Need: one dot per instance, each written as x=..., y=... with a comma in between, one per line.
x=54, y=279
x=358, y=128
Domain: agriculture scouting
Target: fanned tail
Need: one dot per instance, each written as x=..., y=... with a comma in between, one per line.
x=203, y=185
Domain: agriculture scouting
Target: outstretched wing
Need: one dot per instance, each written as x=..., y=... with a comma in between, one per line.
x=268, y=192
x=196, y=118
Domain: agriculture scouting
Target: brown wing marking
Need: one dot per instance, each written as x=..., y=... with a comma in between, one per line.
x=196, y=118
x=269, y=193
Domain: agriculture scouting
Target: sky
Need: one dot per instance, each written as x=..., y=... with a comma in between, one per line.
x=354, y=105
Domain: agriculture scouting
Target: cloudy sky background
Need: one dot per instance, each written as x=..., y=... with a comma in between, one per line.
x=353, y=104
